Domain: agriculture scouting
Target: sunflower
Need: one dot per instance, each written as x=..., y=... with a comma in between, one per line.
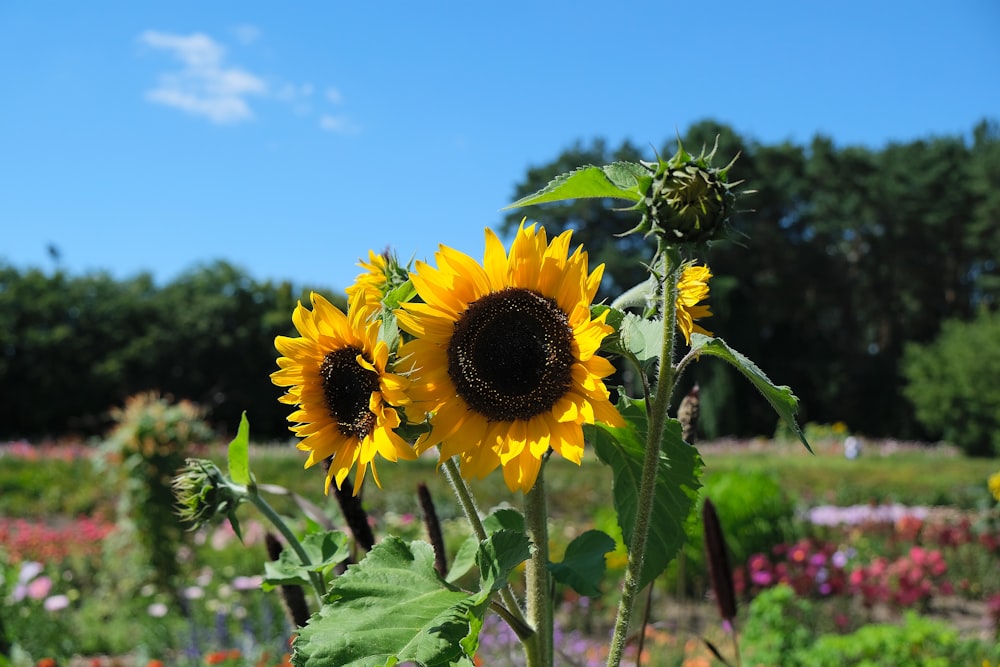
x=504, y=359
x=372, y=283
x=692, y=288
x=346, y=400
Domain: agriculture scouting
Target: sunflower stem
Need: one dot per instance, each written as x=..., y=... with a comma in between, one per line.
x=265, y=508
x=539, y=587
x=471, y=510
x=657, y=415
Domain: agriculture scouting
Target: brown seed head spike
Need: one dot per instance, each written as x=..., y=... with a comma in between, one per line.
x=719, y=569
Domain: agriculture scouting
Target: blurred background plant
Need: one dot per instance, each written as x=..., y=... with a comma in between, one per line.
x=152, y=437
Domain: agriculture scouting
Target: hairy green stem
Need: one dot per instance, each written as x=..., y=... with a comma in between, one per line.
x=539, y=586
x=258, y=501
x=657, y=415
x=471, y=510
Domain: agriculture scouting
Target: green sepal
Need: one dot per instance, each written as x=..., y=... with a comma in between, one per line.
x=238, y=453
x=394, y=607
x=781, y=398
x=619, y=180
x=677, y=482
x=324, y=549
x=583, y=564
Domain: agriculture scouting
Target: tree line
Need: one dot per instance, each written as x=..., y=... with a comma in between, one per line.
x=840, y=258
x=73, y=347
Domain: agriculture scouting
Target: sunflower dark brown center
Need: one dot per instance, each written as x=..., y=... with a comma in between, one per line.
x=347, y=387
x=511, y=354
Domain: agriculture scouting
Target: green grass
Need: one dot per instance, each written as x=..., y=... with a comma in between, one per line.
x=913, y=477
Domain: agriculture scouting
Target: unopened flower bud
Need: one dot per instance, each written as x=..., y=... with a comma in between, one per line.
x=688, y=200
x=203, y=493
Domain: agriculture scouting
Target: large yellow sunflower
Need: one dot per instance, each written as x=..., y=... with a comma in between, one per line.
x=504, y=358
x=336, y=374
x=692, y=288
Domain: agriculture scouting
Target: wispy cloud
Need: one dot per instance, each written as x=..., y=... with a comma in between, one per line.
x=334, y=96
x=246, y=33
x=204, y=86
x=338, y=124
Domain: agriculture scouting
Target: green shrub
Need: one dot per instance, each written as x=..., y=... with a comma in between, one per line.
x=778, y=625
x=152, y=438
x=918, y=642
x=756, y=514
x=952, y=384
x=781, y=629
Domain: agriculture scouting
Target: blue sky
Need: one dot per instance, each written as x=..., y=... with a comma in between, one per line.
x=290, y=138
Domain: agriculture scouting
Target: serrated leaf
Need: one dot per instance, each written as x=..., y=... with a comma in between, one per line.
x=497, y=556
x=583, y=564
x=504, y=519
x=391, y=607
x=324, y=550
x=616, y=180
x=501, y=519
x=781, y=398
x=677, y=483
x=238, y=454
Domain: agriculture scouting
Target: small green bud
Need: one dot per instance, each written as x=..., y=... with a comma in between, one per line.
x=687, y=200
x=204, y=494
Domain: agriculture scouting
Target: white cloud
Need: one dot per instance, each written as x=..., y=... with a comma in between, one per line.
x=204, y=86
x=246, y=33
x=334, y=96
x=338, y=124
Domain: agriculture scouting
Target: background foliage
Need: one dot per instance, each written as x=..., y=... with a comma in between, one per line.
x=842, y=257
x=72, y=348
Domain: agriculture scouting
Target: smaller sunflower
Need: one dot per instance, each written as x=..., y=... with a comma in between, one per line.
x=346, y=399
x=372, y=283
x=692, y=288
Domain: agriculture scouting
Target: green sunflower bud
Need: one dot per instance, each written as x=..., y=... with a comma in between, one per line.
x=688, y=200
x=204, y=494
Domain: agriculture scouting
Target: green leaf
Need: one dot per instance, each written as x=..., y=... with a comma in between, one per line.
x=501, y=519
x=582, y=567
x=324, y=550
x=497, y=556
x=391, y=607
x=464, y=559
x=619, y=180
x=504, y=519
x=780, y=397
x=677, y=483
x=641, y=338
x=239, y=453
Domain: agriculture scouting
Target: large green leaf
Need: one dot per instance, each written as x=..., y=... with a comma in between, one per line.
x=390, y=607
x=780, y=397
x=620, y=180
x=583, y=565
x=393, y=607
x=238, y=454
x=677, y=483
